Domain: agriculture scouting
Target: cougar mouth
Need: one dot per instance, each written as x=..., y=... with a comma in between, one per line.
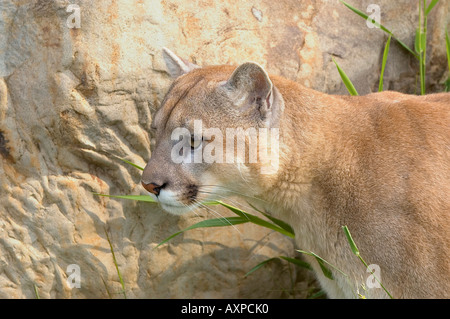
x=177, y=204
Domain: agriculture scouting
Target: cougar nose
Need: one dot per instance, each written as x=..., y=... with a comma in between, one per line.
x=153, y=188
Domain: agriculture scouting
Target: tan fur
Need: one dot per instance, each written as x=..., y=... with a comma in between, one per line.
x=379, y=164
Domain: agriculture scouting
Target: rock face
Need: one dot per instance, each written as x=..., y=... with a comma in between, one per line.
x=78, y=87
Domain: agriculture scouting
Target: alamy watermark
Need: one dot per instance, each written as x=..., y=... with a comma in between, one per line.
x=74, y=276
x=374, y=280
x=231, y=146
x=374, y=19
x=73, y=21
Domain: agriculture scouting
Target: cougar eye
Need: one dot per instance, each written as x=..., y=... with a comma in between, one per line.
x=195, y=142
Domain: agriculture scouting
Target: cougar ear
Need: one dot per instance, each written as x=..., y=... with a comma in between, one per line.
x=176, y=65
x=249, y=85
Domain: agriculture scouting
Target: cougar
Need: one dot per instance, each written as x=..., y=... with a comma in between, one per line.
x=378, y=164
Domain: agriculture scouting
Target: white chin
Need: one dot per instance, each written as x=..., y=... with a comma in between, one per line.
x=168, y=201
x=177, y=210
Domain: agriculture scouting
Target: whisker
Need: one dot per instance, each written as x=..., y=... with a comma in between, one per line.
x=216, y=214
x=201, y=205
x=238, y=166
x=228, y=199
x=191, y=209
x=235, y=192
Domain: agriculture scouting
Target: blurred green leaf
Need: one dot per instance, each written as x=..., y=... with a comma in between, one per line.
x=297, y=262
x=418, y=41
x=348, y=84
x=383, y=64
x=431, y=6
x=36, y=291
x=217, y=222
x=142, y=198
x=350, y=240
x=325, y=270
x=447, y=44
x=128, y=162
x=276, y=221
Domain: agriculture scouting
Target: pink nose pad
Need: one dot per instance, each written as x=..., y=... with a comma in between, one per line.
x=152, y=188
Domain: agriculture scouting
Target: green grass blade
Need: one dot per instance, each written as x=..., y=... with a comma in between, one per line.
x=418, y=41
x=145, y=198
x=365, y=16
x=128, y=162
x=256, y=220
x=431, y=6
x=350, y=240
x=117, y=267
x=348, y=84
x=213, y=202
x=141, y=198
x=423, y=38
x=36, y=291
x=236, y=210
x=383, y=64
x=325, y=270
x=447, y=44
x=297, y=262
x=421, y=44
x=217, y=222
x=276, y=221
x=422, y=73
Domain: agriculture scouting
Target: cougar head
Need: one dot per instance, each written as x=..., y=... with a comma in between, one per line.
x=205, y=133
